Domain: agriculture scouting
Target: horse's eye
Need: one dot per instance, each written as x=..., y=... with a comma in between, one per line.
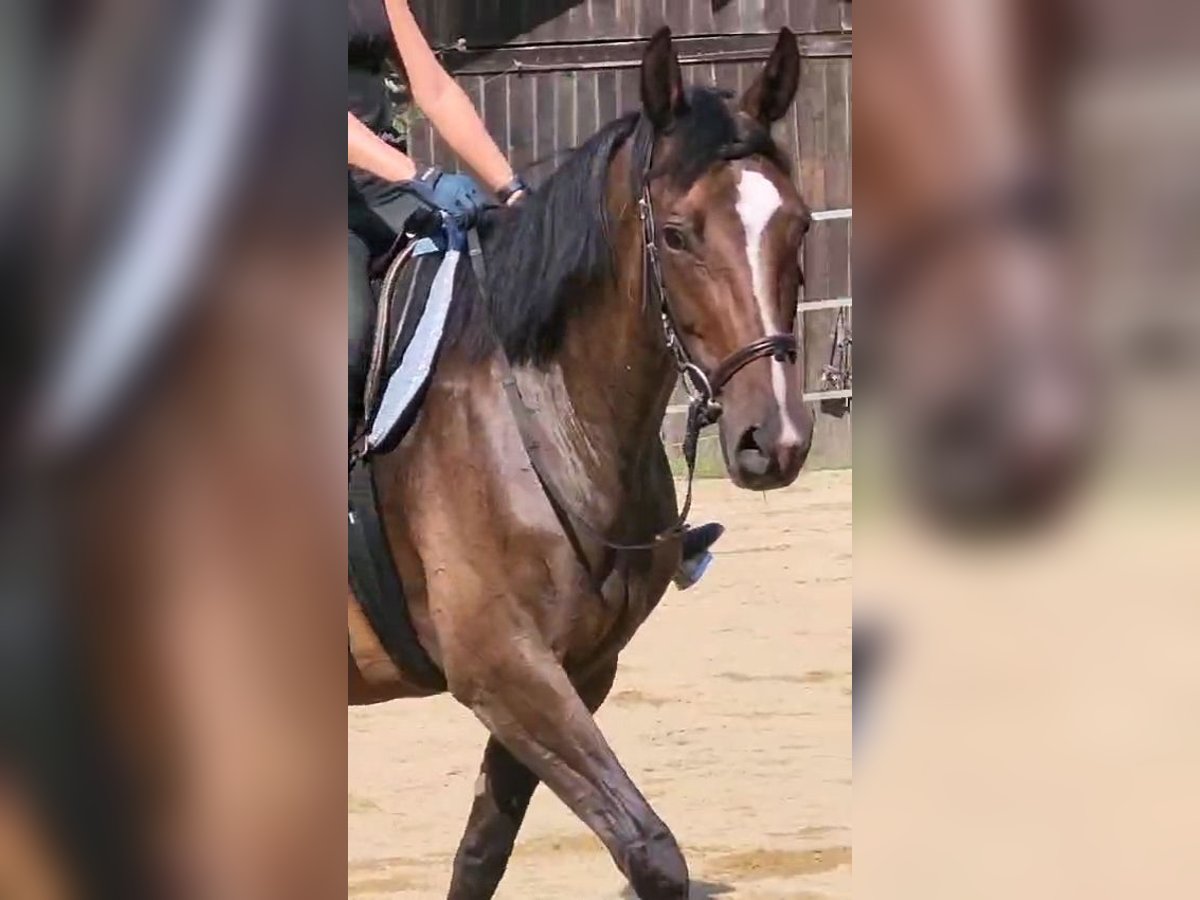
x=675, y=239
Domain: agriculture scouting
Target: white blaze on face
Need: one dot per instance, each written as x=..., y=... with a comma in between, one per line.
x=758, y=201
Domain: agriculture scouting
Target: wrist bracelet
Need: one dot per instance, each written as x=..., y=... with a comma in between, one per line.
x=510, y=190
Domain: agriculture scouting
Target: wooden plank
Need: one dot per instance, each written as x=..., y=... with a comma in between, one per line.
x=629, y=90
x=676, y=15
x=495, y=109
x=604, y=19
x=691, y=50
x=775, y=15
x=828, y=15
x=830, y=395
x=849, y=78
x=544, y=126
x=540, y=15
x=838, y=249
x=491, y=23
x=565, y=115
x=522, y=108
x=831, y=303
x=606, y=90
x=811, y=121
x=575, y=22
x=626, y=21
x=837, y=106
x=727, y=18
x=802, y=15
x=825, y=215
x=586, y=106
x=420, y=140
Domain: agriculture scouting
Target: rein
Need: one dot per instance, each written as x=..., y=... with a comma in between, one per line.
x=703, y=386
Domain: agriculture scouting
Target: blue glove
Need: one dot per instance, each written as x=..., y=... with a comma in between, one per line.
x=459, y=196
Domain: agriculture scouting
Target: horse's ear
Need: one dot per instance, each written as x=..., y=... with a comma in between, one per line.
x=663, y=99
x=772, y=93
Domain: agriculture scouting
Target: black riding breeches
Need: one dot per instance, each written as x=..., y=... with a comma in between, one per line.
x=361, y=312
x=373, y=229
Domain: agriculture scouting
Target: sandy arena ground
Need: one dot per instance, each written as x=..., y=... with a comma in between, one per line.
x=731, y=711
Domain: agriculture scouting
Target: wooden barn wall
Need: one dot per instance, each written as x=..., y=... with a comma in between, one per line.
x=547, y=74
x=493, y=23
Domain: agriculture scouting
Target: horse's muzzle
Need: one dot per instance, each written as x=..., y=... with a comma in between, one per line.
x=763, y=459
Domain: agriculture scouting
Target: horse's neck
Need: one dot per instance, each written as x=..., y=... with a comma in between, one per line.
x=610, y=383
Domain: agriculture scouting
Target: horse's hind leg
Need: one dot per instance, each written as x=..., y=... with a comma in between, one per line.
x=502, y=796
x=529, y=704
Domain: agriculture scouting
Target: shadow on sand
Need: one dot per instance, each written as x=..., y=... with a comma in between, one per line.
x=701, y=890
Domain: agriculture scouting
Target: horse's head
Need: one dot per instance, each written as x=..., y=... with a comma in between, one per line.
x=730, y=225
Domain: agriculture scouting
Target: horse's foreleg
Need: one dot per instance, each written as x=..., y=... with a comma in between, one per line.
x=502, y=796
x=530, y=706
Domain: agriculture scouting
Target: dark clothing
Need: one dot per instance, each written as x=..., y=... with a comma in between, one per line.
x=361, y=298
x=377, y=208
x=369, y=48
x=370, y=56
x=360, y=303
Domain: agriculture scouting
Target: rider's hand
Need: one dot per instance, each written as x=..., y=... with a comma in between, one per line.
x=457, y=195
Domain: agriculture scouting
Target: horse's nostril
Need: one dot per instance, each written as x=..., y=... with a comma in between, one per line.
x=751, y=457
x=748, y=441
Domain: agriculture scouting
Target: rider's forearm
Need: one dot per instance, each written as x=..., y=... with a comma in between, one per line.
x=366, y=150
x=444, y=103
x=454, y=116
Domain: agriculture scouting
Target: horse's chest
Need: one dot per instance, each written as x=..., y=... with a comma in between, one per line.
x=605, y=619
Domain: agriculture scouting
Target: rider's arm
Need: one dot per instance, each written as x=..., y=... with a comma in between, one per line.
x=444, y=103
x=368, y=151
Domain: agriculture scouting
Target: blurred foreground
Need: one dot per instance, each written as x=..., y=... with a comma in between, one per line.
x=1026, y=521
x=171, y=589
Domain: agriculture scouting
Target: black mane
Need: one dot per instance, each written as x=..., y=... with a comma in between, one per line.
x=542, y=258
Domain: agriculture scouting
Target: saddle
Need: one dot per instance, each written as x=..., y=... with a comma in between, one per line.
x=402, y=282
x=415, y=291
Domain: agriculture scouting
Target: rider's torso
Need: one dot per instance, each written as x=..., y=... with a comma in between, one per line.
x=371, y=56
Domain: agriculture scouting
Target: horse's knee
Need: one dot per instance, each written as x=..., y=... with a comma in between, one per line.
x=657, y=869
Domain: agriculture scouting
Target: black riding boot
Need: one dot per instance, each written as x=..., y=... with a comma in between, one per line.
x=697, y=543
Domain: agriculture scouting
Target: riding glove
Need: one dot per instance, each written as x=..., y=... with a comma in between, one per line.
x=457, y=195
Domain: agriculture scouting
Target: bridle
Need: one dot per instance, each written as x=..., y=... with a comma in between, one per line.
x=704, y=387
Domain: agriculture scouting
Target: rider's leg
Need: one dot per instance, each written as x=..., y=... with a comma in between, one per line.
x=362, y=314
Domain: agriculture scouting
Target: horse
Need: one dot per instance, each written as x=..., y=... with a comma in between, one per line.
x=669, y=241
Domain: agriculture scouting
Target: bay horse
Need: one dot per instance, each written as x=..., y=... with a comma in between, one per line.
x=679, y=223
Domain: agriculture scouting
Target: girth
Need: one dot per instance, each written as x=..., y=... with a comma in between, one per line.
x=377, y=585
